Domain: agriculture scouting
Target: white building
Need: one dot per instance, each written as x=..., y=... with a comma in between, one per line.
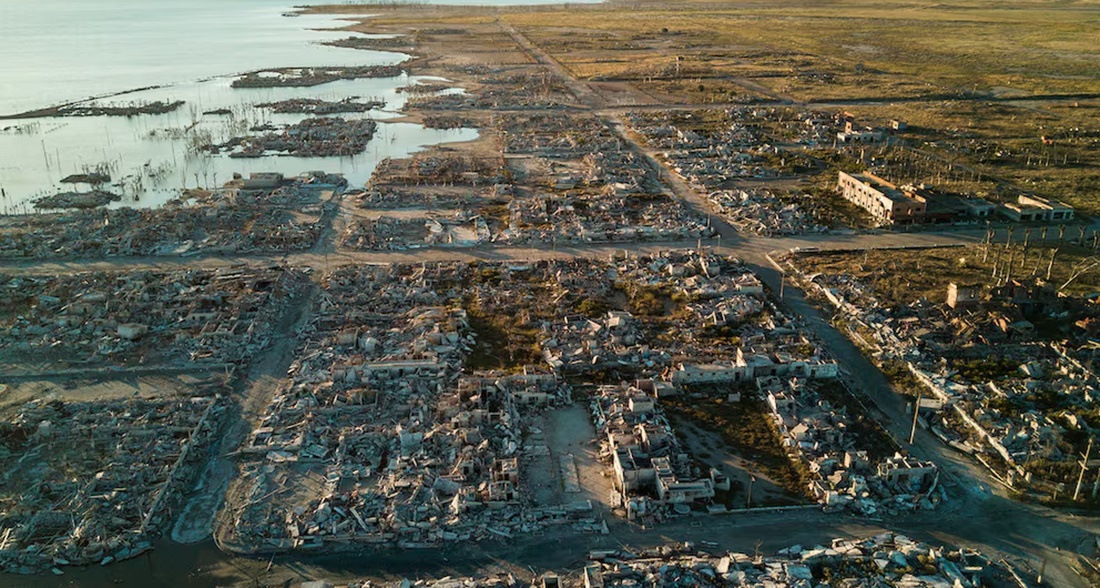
x=1034, y=208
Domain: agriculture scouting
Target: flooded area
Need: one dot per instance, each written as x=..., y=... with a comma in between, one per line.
x=151, y=157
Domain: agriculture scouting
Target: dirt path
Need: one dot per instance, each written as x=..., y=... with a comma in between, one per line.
x=570, y=433
x=248, y=403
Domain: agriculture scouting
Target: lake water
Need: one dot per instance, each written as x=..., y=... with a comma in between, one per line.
x=56, y=51
x=59, y=51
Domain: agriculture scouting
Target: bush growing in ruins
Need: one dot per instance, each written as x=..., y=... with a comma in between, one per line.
x=981, y=370
x=647, y=300
x=725, y=334
x=593, y=307
x=504, y=341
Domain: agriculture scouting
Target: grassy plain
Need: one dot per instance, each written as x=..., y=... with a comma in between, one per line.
x=982, y=83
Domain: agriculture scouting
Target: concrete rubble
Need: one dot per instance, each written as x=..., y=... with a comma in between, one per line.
x=95, y=482
x=848, y=470
x=321, y=107
x=531, y=89
x=715, y=151
x=322, y=136
x=653, y=474
x=388, y=430
x=96, y=319
x=404, y=448
x=560, y=179
x=886, y=559
x=764, y=212
x=299, y=77
x=991, y=387
x=261, y=214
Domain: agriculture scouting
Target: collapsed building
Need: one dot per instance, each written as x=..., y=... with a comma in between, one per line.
x=412, y=451
x=95, y=482
x=651, y=469
x=848, y=470
x=212, y=316
x=992, y=386
x=260, y=214
x=884, y=559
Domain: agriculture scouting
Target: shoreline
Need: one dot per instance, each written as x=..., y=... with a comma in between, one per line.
x=29, y=186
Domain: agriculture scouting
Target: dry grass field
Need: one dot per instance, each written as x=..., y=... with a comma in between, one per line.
x=981, y=83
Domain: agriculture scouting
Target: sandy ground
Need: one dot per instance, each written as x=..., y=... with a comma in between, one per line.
x=571, y=432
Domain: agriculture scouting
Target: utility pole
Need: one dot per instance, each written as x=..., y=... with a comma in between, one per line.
x=782, y=281
x=916, y=413
x=1084, y=466
x=748, y=503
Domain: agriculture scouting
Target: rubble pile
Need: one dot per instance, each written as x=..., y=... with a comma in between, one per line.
x=399, y=43
x=312, y=137
x=846, y=472
x=437, y=169
x=706, y=154
x=409, y=450
x=531, y=89
x=536, y=220
x=232, y=220
x=449, y=121
x=579, y=343
x=652, y=472
x=601, y=161
x=96, y=482
x=219, y=316
x=383, y=433
x=713, y=150
x=993, y=386
x=321, y=107
x=130, y=109
x=386, y=233
x=720, y=316
x=561, y=135
x=425, y=88
x=94, y=176
x=314, y=76
x=764, y=212
x=93, y=199
x=886, y=559
x=391, y=197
